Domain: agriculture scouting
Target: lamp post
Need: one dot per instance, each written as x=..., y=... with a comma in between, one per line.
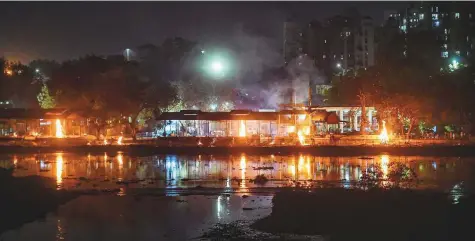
x=216, y=65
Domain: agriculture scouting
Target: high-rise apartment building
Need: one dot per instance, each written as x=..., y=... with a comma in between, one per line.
x=453, y=25
x=337, y=45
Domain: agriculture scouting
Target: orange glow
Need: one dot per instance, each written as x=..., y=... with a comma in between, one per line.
x=59, y=129
x=243, y=171
x=105, y=141
x=384, y=165
x=119, y=141
x=59, y=170
x=8, y=72
x=306, y=130
x=242, y=129
x=383, y=137
x=14, y=134
x=290, y=129
x=301, y=138
x=200, y=143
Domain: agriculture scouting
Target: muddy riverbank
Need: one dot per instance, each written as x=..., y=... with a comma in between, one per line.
x=25, y=199
x=144, y=150
x=350, y=214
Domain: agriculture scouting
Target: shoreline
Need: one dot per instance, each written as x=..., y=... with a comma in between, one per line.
x=145, y=150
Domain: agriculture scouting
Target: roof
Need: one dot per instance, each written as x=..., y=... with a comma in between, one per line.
x=19, y=113
x=319, y=115
x=216, y=116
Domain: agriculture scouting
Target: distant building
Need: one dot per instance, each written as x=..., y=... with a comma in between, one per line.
x=453, y=24
x=338, y=45
x=293, y=36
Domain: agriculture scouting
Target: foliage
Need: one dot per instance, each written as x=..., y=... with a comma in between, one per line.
x=400, y=175
x=371, y=178
x=46, y=100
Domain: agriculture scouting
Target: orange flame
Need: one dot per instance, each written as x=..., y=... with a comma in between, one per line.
x=59, y=129
x=383, y=137
x=119, y=141
x=301, y=137
x=242, y=129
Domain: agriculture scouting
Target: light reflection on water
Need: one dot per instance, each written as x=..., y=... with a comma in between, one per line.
x=172, y=171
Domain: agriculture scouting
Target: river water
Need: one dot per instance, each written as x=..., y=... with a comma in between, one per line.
x=126, y=216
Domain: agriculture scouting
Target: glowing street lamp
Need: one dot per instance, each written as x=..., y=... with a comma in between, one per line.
x=455, y=65
x=216, y=64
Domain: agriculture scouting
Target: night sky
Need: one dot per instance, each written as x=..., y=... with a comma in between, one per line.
x=63, y=30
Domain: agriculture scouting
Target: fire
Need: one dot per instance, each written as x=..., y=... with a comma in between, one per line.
x=119, y=141
x=301, y=137
x=291, y=129
x=242, y=129
x=59, y=129
x=307, y=130
x=383, y=137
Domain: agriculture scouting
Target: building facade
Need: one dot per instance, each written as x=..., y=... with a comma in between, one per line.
x=453, y=25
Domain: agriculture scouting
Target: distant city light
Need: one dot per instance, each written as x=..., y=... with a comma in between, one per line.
x=338, y=65
x=202, y=51
x=455, y=65
x=37, y=70
x=213, y=106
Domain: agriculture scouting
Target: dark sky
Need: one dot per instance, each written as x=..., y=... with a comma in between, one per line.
x=62, y=30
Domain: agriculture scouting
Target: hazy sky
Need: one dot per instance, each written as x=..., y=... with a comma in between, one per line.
x=62, y=30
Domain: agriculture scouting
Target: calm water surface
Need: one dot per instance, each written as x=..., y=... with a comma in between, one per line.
x=129, y=217
x=74, y=171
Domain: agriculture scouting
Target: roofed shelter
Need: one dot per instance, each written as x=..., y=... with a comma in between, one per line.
x=19, y=122
x=267, y=124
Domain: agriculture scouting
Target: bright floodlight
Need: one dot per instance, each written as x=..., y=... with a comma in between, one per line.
x=37, y=70
x=217, y=66
x=338, y=65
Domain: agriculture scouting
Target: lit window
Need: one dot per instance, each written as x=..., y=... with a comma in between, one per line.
x=436, y=9
x=403, y=28
x=435, y=16
x=414, y=14
x=436, y=23
x=325, y=41
x=421, y=16
x=457, y=52
x=445, y=54
x=445, y=46
x=470, y=16
x=404, y=21
x=445, y=31
x=468, y=39
x=324, y=56
x=457, y=15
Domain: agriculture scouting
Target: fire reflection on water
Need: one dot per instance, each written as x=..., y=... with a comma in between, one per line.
x=59, y=170
x=219, y=171
x=243, y=171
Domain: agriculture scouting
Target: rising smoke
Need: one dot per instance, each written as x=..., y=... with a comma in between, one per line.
x=257, y=56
